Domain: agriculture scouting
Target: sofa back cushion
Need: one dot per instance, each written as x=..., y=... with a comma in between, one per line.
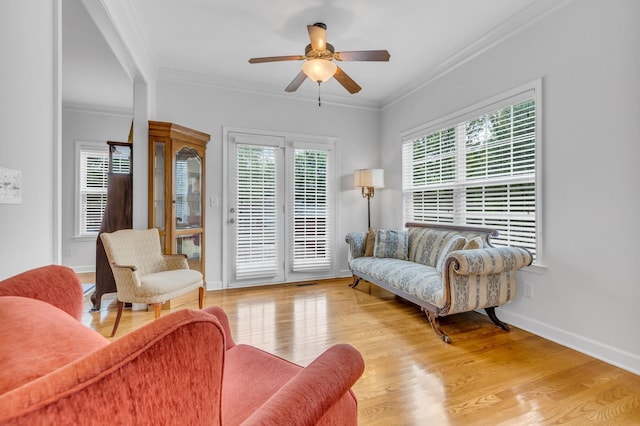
x=38, y=338
x=431, y=246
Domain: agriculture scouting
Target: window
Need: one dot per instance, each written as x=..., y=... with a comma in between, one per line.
x=479, y=168
x=93, y=165
x=310, y=222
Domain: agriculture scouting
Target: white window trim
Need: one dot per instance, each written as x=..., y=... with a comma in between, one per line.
x=83, y=146
x=509, y=97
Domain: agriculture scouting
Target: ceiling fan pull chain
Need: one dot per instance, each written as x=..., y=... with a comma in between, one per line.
x=319, y=104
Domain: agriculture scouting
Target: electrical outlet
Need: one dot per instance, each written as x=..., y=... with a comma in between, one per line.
x=527, y=289
x=68, y=252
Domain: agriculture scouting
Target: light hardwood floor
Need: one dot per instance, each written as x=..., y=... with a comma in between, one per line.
x=485, y=377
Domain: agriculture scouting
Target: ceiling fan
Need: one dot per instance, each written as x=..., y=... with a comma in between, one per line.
x=319, y=56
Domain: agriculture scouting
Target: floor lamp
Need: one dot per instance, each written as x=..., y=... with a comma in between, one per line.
x=368, y=180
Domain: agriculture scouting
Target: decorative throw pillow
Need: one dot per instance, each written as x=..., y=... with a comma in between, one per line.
x=454, y=243
x=369, y=242
x=391, y=243
x=474, y=243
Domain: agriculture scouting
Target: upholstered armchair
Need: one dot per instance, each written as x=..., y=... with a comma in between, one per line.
x=143, y=274
x=182, y=369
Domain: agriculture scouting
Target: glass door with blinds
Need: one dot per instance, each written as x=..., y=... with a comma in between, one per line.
x=280, y=210
x=255, y=217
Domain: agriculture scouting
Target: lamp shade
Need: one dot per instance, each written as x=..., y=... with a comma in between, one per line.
x=368, y=178
x=319, y=70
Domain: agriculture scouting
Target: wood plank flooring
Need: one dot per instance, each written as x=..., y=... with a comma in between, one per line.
x=485, y=377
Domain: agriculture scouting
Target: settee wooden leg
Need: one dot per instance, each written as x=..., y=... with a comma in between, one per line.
x=492, y=315
x=435, y=324
x=356, y=281
x=118, y=315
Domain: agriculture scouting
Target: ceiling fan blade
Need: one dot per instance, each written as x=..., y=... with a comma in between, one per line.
x=293, y=86
x=362, y=55
x=276, y=59
x=318, y=36
x=346, y=81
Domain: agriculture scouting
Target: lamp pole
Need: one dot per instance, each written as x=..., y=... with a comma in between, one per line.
x=368, y=192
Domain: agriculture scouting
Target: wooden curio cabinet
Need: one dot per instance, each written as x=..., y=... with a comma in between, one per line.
x=177, y=189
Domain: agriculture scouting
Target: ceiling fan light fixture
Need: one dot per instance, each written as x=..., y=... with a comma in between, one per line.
x=319, y=70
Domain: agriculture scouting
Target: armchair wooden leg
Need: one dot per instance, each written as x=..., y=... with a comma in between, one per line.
x=435, y=324
x=201, y=297
x=156, y=309
x=115, y=325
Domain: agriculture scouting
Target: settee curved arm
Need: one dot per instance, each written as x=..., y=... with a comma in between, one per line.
x=307, y=396
x=55, y=284
x=356, y=241
x=490, y=260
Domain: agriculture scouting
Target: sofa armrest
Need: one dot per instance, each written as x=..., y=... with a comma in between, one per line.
x=356, y=241
x=490, y=260
x=311, y=393
x=170, y=369
x=55, y=284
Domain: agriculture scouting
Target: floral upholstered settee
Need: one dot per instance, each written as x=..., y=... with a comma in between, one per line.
x=445, y=269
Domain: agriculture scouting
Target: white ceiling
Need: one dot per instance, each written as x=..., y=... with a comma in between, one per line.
x=211, y=40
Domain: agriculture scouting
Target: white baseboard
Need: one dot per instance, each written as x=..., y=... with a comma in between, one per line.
x=83, y=269
x=610, y=355
x=213, y=285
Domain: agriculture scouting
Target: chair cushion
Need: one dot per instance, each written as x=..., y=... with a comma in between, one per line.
x=246, y=366
x=49, y=339
x=168, y=284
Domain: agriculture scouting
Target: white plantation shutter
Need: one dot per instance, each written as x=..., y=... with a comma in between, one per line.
x=257, y=204
x=93, y=169
x=478, y=170
x=310, y=218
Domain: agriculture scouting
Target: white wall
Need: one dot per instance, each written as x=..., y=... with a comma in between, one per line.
x=208, y=109
x=27, y=132
x=588, y=56
x=86, y=126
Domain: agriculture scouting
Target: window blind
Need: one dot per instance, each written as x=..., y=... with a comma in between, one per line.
x=94, y=165
x=257, y=193
x=310, y=219
x=478, y=171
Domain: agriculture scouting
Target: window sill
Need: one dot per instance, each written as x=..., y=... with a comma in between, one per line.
x=84, y=238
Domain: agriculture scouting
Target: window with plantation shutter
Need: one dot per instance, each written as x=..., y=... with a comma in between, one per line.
x=93, y=167
x=310, y=219
x=479, y=168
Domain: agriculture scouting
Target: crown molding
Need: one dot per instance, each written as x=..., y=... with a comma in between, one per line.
x=303, y=95
x=97, y=109
x=527, y=17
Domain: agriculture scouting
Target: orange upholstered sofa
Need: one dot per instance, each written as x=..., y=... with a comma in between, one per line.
x=183, y=368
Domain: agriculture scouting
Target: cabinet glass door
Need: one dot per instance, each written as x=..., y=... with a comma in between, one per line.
x=188, y=205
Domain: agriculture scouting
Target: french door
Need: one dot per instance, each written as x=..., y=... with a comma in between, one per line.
x=280, y=210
